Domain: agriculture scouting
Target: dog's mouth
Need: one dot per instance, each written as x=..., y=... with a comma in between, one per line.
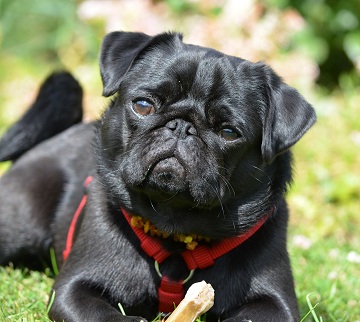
x=179, y=175
x=167, y=175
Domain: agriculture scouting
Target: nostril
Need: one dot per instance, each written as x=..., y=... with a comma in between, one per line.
x=172, y=125
x=181, y=128
x=191, y=130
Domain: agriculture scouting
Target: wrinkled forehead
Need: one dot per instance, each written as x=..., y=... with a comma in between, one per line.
x=203, y=71
x=195, y=69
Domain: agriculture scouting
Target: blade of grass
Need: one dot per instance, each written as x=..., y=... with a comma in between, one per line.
x=53, y=261
x=52, y=299
x=121, y=309
x=312, y=309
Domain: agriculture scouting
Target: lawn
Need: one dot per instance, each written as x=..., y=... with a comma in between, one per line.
x=324, y=228
x=23, y=295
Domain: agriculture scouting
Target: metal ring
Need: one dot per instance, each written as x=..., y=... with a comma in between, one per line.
x=190, y=276
x=157, y=269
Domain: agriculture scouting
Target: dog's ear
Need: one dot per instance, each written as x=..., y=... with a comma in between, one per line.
x=287, y=118
x=119, y=51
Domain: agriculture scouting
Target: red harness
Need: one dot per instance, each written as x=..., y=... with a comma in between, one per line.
x=70, y=238
x=171, y=292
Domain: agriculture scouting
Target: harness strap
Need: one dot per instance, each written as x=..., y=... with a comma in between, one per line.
x=172, y=292
x=204, y=256
x=151, y=246
x=72, y=228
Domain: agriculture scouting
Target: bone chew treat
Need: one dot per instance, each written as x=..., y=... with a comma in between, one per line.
x=198, y=299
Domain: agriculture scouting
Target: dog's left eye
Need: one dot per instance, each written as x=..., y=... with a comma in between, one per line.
x=143, y=107
x=228, y=134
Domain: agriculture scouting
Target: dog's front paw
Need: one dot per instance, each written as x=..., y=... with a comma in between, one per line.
x=134, y=319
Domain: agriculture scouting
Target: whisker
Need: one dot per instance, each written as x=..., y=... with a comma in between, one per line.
x=262, y=171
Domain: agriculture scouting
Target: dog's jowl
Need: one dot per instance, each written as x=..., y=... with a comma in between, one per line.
x=187, y=171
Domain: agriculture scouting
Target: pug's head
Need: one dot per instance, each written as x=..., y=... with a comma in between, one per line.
x=194, y=139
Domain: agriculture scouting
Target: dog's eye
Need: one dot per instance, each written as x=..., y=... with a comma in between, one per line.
x=143, y=107
x=228, y=134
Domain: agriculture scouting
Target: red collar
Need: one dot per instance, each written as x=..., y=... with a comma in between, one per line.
x=202, y=256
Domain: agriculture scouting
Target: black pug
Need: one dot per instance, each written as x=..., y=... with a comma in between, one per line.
x=189, y=166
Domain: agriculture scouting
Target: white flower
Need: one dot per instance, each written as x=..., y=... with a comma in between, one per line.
x=353, y=257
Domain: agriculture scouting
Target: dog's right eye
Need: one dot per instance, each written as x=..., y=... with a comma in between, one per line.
x=143, y=107
x=229, y=134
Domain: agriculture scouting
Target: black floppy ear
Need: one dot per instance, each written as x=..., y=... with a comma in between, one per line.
x=118, y=51
x=287, y=118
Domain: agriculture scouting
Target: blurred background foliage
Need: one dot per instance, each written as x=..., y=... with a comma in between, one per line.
x=313, y=44
x=331, y=37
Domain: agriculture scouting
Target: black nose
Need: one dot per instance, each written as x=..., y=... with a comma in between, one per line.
x=181, y=128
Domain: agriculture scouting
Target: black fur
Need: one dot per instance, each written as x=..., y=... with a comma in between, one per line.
x=211, y=157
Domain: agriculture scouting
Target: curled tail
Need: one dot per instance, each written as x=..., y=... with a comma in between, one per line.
x=57, y=107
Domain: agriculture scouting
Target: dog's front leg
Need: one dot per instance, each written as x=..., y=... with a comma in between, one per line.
x=76, y=301
x=265, y=309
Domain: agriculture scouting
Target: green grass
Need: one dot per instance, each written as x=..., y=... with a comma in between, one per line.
x=23, y=295
x=324, y=238
x=325, y=274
